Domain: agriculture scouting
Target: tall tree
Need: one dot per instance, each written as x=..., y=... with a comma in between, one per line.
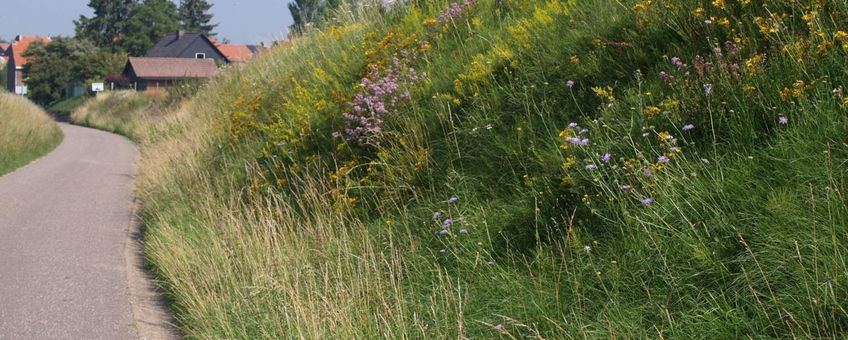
x=107, y=27
x=148, y=23
x=195, y=17
x=309, y=11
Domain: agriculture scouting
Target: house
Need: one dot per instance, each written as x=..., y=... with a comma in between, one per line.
x=150, y=72
x=3, y=48
x=236, y=53
x=15, y=65
x=187, y=45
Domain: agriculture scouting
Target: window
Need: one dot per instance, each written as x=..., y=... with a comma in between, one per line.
x=200, y=56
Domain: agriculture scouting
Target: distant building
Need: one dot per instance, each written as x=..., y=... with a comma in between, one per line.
x=187, y=45
x=145, y=73
x=16, y=62
x=236, y=53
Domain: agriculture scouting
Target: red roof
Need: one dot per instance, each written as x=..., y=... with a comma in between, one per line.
x=236, y=53
x=173, y=68
x=19, y=46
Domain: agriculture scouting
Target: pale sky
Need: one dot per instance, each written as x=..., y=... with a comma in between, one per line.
x=241, y=21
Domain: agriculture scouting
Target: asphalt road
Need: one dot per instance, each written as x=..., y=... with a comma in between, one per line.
x=65, y=224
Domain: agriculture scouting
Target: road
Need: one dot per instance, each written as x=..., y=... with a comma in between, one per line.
x=69, y=268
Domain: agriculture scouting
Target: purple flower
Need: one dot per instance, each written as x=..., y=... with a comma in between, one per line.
x=572, y=125
x=606, y=157
x=453, y=200
x=437, y=215
x=447, y=222
x=626, y=187
x=663, y=159
x=647, y=172
x=648, y=201
x=591, y=167
x=708, y=89
x=463, y=231
x=443, y=232
x=584, y=141
x=783, y=120
x=583, y=131
x=569, y=84
x=688, y=127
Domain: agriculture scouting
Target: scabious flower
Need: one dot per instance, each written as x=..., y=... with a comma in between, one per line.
x=437, y=215
x=572, y=125
x=447, y=222
x=647, y=172
x=587, y=248
x=583, y=131
x=584, y=141
x=443, y=232
x=708, y=89
x=783, y=120
x=626, y=187
x=591, y=167
x=606, y=157
x=453, y=200
x=663, y=159
x=569, y=84
x=688, y=127
x=648, y=201
x=463, y=231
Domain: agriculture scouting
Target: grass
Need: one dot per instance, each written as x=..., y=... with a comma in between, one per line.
x=26, y=134
x=263, y=221
x=63, y=108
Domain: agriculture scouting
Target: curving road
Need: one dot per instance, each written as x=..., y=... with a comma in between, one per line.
x=69, y=265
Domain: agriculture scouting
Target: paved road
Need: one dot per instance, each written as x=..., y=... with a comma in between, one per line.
x=65, y=222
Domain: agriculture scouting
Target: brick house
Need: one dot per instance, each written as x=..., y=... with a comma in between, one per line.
x=16, y=79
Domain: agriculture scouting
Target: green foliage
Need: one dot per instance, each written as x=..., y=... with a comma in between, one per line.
x=108, y=25
x=52, y=67
x=4, y=80
x=310, y=11
x=148, y=23
x=195, y=16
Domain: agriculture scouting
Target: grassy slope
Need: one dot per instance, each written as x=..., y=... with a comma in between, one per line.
x=27, y=132
x=261, y=224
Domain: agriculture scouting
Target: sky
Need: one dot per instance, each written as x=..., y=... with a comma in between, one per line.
x=240, y=21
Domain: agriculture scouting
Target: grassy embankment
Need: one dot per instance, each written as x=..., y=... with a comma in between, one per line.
x=27, y=132
x=620, y=169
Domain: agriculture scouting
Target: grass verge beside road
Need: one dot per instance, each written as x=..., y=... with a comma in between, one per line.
x=26, y=132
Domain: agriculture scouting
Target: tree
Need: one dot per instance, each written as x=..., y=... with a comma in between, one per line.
x=107, y=26
x=195, y=17
x=148, y=23
x=52, y=67
x=309, y=11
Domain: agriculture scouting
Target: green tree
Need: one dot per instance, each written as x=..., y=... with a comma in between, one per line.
x=108, y=24
x=148, y=23
x=52, y=67
x=195, y=17
x=309, y=11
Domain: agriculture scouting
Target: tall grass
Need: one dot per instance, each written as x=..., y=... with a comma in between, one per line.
x=263, y=223
x=27, y=132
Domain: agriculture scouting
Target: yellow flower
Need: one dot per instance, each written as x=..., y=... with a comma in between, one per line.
x=699, y=12
x=651, y=112
x=840, y=35
x=568, y=181
x=719, y=4
x=604, y=92
x=574, y=59
x=569, y=162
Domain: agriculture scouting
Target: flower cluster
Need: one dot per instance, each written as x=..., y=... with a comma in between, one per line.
x=382, y=91
x=456, y=10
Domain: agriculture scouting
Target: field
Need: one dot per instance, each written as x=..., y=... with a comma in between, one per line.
x=26, y=134
x=513, y=168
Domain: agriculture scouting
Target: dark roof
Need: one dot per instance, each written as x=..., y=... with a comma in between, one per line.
x=172, y=68
x=170, y=46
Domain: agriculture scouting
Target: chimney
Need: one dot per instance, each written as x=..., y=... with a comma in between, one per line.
x=179, y=34
x=18, y=38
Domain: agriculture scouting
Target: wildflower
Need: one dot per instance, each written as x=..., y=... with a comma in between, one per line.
x=572, y=125
x=583, y=131
x=584, y=141
x=591, y=167
x=574, y=59
x=783, y=120
x=663, y=159
x=587, y=248
x=708, y=22
x=648, y=201
x=447, y=222
x=647, y=172
x=499, y=327
x=606, y=157
x=625, y=187
x=437, y=215
x=491, y=263
x=569, y=84
x=688, y=127
x=667, y=77
x=442, y=251
x=443, y=232
x=453, y=200
x=463, y=231
x=708, y=89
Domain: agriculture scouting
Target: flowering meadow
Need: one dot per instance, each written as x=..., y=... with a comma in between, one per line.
x=515, y=169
